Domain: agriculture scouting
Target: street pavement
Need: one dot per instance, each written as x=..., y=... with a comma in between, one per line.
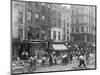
x=59, y=67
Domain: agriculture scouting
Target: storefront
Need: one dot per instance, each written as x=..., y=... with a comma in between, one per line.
x=37, y=47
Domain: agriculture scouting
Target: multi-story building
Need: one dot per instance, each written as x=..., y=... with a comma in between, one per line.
x=37, y=24
x=18, y=23
x=38, y=20
x=56, y=28
x=83, y=23
x=66, y=20
x=35, y=21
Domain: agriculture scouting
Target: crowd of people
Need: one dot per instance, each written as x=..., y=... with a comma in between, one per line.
x=52, y=58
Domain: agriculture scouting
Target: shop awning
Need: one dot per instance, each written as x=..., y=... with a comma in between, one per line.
x=59, y=47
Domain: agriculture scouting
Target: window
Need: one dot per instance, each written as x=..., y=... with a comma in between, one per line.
x=29, y=3
x=77, y=29
x=35, y=33
x=77, y=20
x=43, y=4
x=67, y=31
x=54, y=8
x=54, y=35
x=58, y=9
x=43, y=19
x=73, y=12
x=82, y=29
x=88, y=20
x=64, y=22
x=59, y=36
x=20, y=17
x=59, y=22
x=85, y=19
x=54, y=21
x=20, y=34
x=94, y=22
x=67, y=24
x=36, y=5
x=72, y=29
x=87, y=29
x=67, y=38
x=48, y=6
x=80, y=11
x=73, y=21
x=36, y=17
x=80, y=20
x=29, y=15
x=67, y=17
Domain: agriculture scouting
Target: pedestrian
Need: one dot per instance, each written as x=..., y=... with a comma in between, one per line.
x=32, y=63
x=87, y=58
x=43, y=60
x=66, y=59
x=81, y=61
x=50, y=60
x=63, y=59
x=55, y=59
x=70, y=57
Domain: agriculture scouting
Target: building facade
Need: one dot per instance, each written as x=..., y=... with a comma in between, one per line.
x=83, y=26
x=56, y=21
x=18, y=23
x=66, y=20
x=38, y=20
